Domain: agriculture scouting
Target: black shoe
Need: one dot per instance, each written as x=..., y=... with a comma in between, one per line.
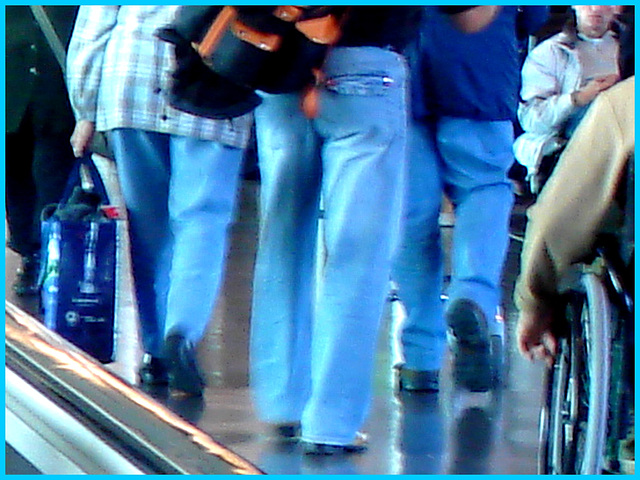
x=416, y=380
x=184, y=374
x=153, y=371
x=359, y=445
x=470, y=345
x=27, y=276
x=286, y=432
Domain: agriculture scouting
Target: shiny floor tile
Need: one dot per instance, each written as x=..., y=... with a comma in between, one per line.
x=452, y=432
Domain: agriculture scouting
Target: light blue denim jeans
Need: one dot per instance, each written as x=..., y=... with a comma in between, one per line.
x=180, y=194
x=468, y=160
x=313, y=345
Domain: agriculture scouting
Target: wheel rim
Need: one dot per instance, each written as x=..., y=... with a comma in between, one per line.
x=574, y=420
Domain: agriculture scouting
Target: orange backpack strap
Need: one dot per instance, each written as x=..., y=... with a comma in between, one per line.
x=324, y=30
x=288, y=13
x=269, y=42
x=216, y=31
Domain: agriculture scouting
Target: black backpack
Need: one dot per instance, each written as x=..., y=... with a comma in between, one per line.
x=224, y=54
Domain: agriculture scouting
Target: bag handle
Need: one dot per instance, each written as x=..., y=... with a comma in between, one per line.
x=50, y=34
x=75, y=179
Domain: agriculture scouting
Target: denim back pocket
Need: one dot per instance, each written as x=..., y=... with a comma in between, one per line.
x=370, y=85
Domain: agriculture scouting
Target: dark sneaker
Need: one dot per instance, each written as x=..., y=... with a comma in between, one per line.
x=153, y=371
x=27, y=276
x=470, y=345
x=416, y=380
x=182, y=366
x=359, y=445
x=286, y=432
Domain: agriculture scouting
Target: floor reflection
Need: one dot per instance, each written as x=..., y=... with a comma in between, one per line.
x=452, y=432
x=422, y=433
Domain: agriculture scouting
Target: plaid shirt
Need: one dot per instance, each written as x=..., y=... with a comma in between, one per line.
x=118, y=72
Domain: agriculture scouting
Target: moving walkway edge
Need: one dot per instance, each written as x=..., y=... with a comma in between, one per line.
x=147, y=433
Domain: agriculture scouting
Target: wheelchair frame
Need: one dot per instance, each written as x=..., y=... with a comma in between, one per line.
x=589, y=390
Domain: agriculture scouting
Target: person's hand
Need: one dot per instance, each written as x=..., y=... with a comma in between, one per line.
x=82, y=136
x=593, y=87
x=534, y=337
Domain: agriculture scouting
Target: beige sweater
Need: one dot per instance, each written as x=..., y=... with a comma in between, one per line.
x=574, y=204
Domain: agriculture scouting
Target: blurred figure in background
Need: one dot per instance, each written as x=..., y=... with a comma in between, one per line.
x=38, y=124
x=560, y=78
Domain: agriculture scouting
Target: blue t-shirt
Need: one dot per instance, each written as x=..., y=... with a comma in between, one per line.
x=475, y=75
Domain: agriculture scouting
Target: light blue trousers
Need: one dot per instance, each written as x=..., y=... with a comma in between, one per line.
x=469, y=161
x=312, y=356
x=180, y=195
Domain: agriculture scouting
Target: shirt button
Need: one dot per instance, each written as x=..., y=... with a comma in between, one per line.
x=157, y=90
x=33, y=47
x=163, y=118
x=33, y=71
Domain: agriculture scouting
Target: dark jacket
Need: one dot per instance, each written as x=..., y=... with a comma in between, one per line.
x=224, y=87
x=380, y=26
x=33, y=77
x=474, y=76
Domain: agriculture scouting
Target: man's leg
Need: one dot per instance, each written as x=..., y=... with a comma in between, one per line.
x=202, y=199
x=142, y=159
x=477, y=156
x=363, y=123
x=418, y=267
x=283, y=288
x=20, y=189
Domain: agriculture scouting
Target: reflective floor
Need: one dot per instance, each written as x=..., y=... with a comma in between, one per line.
x=447, y=433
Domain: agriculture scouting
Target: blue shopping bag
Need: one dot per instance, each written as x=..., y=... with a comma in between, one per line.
x=78, y=273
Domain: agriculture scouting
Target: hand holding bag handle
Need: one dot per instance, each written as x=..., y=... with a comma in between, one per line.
x=99, y=143
x=75, y=179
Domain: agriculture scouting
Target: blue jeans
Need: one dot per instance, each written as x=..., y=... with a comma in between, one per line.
x=313, y=344
x=180, y=195
x=468, y=160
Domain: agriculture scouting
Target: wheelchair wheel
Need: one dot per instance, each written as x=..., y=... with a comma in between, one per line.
x=573, y=421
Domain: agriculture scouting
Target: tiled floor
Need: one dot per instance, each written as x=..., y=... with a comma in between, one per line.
x=451, y=432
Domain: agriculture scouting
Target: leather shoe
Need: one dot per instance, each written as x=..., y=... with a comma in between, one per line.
x=285, y=432
x=184, y=374
x=153, y=371
x=359, y=445
x=416, y=380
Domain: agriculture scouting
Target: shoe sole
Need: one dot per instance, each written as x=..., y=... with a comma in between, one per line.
x=322, y=449
x=407, y=383
x=191, y=386
x=286, y=432
x=408, y=386
x=185, y=380
x=152, y=380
